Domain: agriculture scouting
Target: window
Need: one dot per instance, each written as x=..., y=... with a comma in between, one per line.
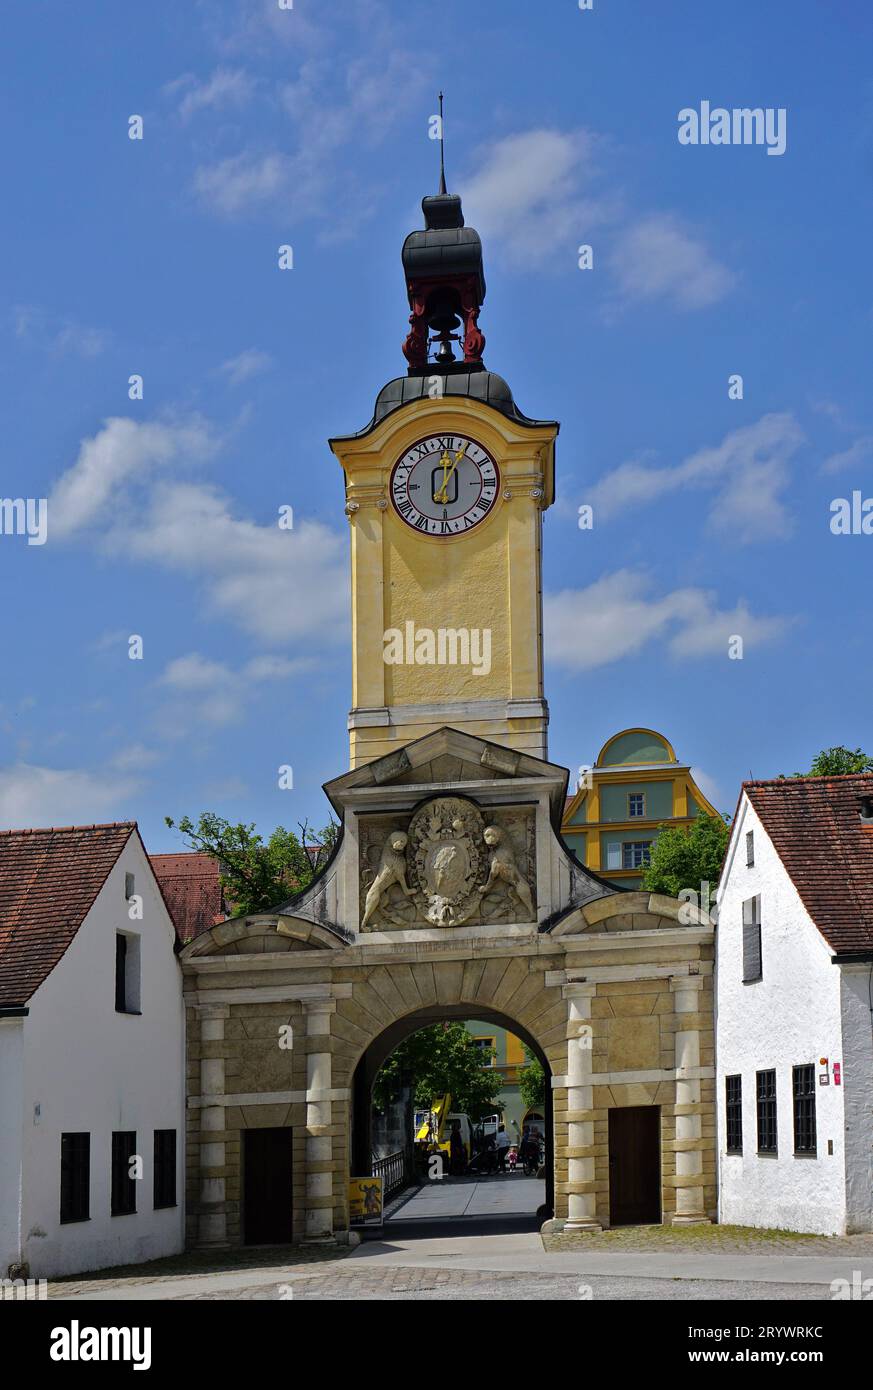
x=127, y=990
x=803, y=1079
x=487, y=1048
x=129, y=886
x=165, y=1168
x=733, y=1086
x=123, y=1184
x=636, y=854
x=750, y=848
x=636, y=804
x=766, y=1082
x=75, y=1177
x=752, y=964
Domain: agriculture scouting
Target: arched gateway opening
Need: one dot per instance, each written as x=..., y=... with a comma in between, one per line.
x=362, y=1158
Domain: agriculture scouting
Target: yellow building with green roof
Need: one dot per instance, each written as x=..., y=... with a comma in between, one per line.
x=636, y=785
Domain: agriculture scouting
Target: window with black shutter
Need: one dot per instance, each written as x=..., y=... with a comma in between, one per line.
x=733, y=1086
x=123, y=1184
x=766, y=1091
x=75, y=1177
x=803, y=1085
x=750, y=848
x=752, y=964
x=165, y=1168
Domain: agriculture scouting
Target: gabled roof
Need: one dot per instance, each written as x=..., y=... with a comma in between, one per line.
x=190, y=883
x=817, y=832
x=49, y=881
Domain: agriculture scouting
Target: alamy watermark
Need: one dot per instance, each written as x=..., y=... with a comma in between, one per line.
x=24, y=516
x=741, y=125
x=445, y=646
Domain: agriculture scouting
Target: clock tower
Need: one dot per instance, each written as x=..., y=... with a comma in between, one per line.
x=445, y=490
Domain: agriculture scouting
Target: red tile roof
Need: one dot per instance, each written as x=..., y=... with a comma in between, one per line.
x=192, y=891
x=49, y=880
x=815, y=825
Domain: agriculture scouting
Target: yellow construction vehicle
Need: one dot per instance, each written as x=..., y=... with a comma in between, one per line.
x=434, y=1127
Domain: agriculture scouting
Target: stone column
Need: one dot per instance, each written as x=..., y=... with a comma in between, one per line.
x=319, y=1137
x=582, y=1198
x=212, y=1214
x=689, y=1158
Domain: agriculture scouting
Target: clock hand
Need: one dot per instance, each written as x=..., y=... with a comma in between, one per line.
x=444, y=463
x=443, y=496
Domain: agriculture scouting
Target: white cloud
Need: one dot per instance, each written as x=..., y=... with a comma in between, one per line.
x=207, y=693
x=42, y=796
x=857, y=455
x=122, y=451
x=527, y=194
x=226, y=87
x=658, y=258
x=246, y=364
x=330, y=120
x=243, y=181
x=282, y=586
x=748, y=473
x=618, y=615
x=58, y=336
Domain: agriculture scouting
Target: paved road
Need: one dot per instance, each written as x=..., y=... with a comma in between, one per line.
x=499, y=1195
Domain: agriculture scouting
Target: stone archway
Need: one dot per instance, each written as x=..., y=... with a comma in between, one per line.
x=380, y=1050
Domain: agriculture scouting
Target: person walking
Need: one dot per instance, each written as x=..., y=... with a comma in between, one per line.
x=502, y=1142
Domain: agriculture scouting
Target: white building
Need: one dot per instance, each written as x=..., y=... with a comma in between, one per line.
x=91, y=1054
x=794, y=1027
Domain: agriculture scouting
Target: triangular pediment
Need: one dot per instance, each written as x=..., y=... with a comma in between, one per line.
x=449, y=758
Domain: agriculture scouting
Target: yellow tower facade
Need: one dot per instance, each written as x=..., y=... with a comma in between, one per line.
x=445, y=491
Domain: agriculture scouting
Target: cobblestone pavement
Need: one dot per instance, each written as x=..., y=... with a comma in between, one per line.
x=446, y=1285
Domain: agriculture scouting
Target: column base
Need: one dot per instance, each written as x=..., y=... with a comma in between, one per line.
x=691, y=1220
x=593, y=1226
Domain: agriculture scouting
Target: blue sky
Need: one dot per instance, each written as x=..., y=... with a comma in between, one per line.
x=309, y=127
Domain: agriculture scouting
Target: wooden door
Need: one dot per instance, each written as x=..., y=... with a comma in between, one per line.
x=267, y=1186
x=635, y=1165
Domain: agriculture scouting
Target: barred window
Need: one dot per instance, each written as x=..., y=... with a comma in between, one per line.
x=803, y=1079
x=766, y=1092
x=734, y=1112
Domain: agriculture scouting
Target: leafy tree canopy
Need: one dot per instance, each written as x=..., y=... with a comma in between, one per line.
x=255, y=875
x=835, y=762
x=685, y=858
x=438, y=1059
x=532, y=1081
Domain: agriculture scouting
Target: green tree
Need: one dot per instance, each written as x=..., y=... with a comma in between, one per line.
x=685, y=858
x=532, y=1081
x=438, y=1059
x=256, y=876
x=835, y=762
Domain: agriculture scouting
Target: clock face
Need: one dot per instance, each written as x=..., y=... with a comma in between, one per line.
x=444, y=485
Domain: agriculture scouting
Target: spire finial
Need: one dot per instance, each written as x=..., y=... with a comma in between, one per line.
x=443, y=189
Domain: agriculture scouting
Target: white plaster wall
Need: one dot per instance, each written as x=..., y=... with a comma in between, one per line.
x=790, y=1017
x=11, y=1081
x=857, y=1000
x=92, y=1069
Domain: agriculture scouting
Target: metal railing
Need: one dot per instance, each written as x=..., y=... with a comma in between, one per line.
x=396, y=1172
